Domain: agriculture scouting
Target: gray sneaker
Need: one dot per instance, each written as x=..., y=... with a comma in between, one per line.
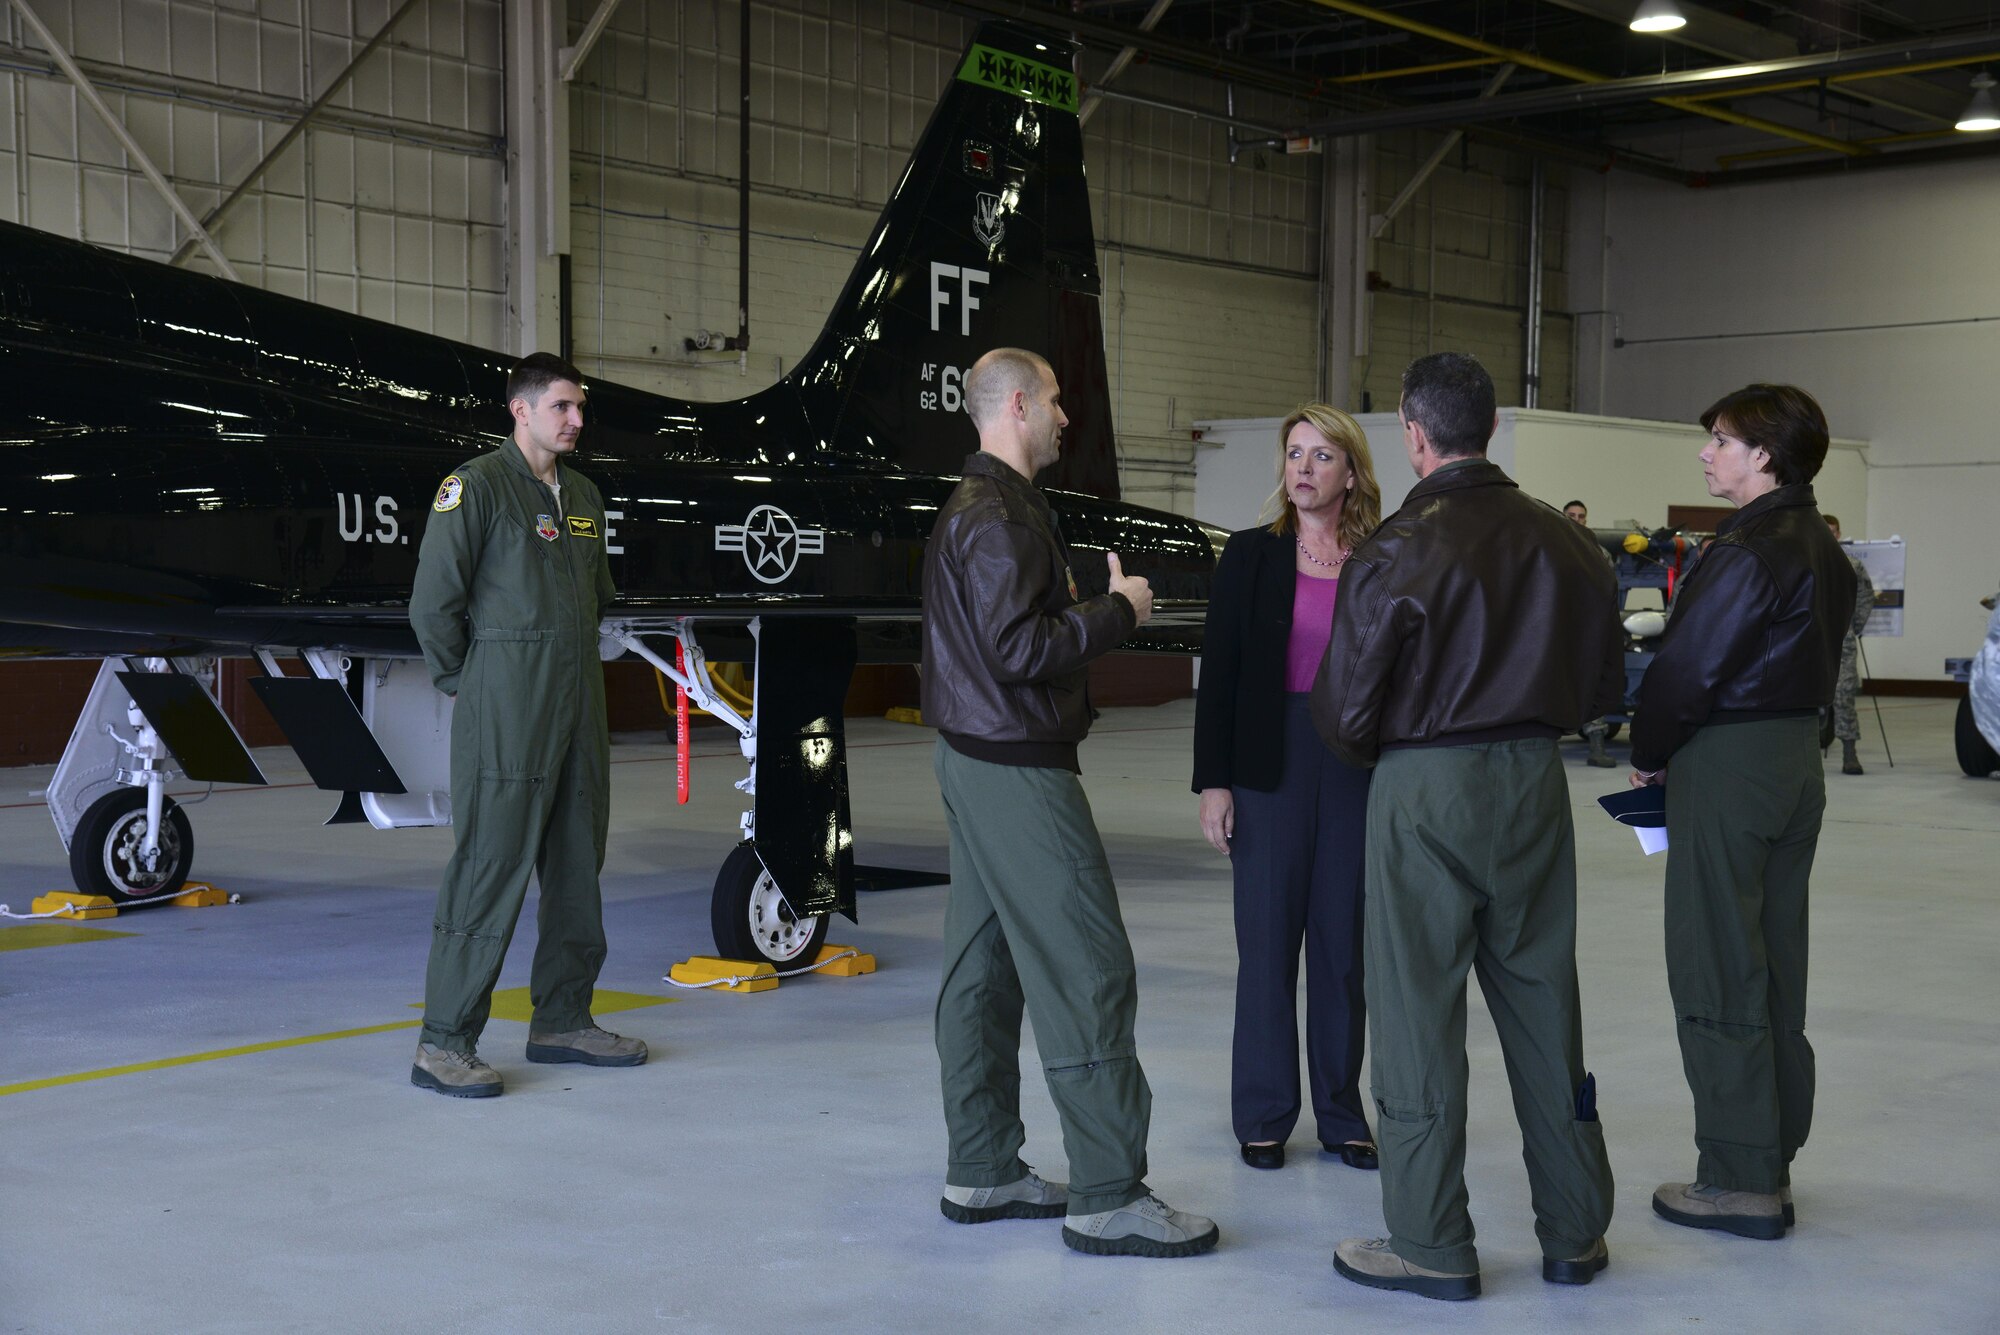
x=460, y=1074
x=1030, y=1197
x=1145, y=1227
x=1785, y=1203
x=1373, y=1262
x=1747, y=1214
x=591, y=1046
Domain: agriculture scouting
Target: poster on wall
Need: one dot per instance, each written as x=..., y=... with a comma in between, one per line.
x=1882, y=558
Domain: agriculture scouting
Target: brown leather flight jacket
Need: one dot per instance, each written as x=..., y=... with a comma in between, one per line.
x=1006, y=641
x=1474, y=613
x=1755, y=630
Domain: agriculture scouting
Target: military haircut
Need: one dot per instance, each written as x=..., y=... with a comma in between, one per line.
x=1782, y=420
x=534, y=373
x=1450, y=396
x=993, y=379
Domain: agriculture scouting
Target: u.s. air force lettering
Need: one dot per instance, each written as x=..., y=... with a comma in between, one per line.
x=771, y=543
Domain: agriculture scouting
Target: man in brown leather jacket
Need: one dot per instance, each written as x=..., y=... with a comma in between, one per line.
x=1474, y=627
x=1032, y=920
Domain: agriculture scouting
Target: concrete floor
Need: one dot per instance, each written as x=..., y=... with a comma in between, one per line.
x=778, y=1162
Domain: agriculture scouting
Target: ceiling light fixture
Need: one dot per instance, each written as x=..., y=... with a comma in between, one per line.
x=1658, y=16
x=1980, y=113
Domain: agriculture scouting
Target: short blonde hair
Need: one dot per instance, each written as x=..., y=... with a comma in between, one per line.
x=1362, y=510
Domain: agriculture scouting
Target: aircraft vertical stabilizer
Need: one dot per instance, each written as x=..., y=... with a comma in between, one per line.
x=986, y=242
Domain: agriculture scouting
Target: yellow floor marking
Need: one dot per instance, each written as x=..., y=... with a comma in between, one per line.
x=33, y=934
x=50, y=1082
x=513, y=1004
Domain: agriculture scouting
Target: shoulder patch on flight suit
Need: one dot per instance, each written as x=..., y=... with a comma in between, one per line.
x=581, y=526
x=449, y=494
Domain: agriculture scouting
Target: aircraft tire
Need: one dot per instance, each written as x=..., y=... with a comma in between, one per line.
x=103, y=853
x=751, y=920
x=1975, y=756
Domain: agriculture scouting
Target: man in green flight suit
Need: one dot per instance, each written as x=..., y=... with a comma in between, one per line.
x=512, y=580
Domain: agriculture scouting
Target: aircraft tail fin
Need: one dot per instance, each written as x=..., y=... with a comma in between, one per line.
x=986, y=242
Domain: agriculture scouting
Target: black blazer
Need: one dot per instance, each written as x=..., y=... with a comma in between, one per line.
x=1239, y=737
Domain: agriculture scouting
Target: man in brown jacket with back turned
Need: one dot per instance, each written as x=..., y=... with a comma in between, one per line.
x=1474, y=627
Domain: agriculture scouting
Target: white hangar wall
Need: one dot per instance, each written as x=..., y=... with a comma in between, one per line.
x=390, y=205
x=1879, y=293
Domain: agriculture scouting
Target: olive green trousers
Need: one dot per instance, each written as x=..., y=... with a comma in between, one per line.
x=512, y=825
x=1032, y=923
x=1472, y=869
x=1744, y=803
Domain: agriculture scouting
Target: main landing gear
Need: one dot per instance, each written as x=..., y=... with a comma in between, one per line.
x=751, y=918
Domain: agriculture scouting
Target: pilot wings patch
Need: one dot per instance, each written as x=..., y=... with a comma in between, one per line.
x=449, y=495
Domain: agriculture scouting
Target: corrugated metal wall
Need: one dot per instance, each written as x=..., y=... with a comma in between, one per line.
x=391, y=205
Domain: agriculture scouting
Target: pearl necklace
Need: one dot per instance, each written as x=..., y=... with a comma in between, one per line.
x=1334, y=564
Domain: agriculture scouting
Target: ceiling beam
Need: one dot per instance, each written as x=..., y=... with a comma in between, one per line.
x=1685, y=87
x=1529, y=60
x=1961, y=148
x=570, y=59
x=1730, y=38
x=1120, y=61
x=1438, y=155
x=1219, y=65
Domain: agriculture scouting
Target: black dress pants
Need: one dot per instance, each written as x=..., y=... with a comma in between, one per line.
x=1297, y=862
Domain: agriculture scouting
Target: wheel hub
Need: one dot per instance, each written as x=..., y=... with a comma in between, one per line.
x=781, y=934
x=125, y=859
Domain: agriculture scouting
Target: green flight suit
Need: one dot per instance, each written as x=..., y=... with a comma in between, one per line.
x=509, y=591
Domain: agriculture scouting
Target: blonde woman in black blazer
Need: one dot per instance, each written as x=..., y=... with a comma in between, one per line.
x=1288, y=815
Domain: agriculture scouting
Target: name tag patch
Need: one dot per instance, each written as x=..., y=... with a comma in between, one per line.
x=582, y=527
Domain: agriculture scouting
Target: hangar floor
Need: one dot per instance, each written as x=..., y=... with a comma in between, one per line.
x=777, y=1164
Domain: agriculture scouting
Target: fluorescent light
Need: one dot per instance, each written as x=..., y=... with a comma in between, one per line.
x=1658, y=16
x=1980, y=114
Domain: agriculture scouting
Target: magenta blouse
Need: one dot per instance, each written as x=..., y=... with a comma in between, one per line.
x=1312, y=627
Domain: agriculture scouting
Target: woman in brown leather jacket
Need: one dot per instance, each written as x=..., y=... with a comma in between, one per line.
x=1727, y=719
x=1286, y=812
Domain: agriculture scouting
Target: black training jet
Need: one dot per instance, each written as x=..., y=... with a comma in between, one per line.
x=192, y=468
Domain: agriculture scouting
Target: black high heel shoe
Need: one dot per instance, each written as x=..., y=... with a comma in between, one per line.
x=1354, y=1156
x=1264, y=1156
